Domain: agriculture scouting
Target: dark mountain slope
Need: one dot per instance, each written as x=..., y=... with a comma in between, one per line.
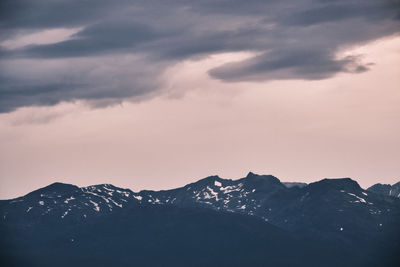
x=163, y=236
x=251, y=221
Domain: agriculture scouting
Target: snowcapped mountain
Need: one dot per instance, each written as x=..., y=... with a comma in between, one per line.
x=330, y=210
x=263, y=196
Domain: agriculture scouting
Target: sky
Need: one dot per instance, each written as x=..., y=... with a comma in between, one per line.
x=156, y=94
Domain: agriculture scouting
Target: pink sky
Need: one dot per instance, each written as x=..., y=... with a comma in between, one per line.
x=298, y=130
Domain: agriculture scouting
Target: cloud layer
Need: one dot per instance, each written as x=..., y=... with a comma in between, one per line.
x=122, y=48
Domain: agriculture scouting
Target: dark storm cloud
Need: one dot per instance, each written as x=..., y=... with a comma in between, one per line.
x=28, y=14
x=100, y=38
x=16, y=94
x=292, y=39
x=27, y=95
x=331, y=11
x=98, y=82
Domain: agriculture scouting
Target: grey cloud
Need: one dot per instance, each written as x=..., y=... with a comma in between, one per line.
x=100, y=38
x=53, y=93
x=14, y=96
x=303, y=64
x=331, y=11
x=293, y=39
x=99, y=81
x=27, y=14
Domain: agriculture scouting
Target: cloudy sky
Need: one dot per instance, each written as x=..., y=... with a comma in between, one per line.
x=158, y=93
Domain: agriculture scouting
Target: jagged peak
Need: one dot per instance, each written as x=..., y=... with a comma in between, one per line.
x=379, y=185
x=251, y=174
x=386, y=189
x=262, y=182
x=269, y=177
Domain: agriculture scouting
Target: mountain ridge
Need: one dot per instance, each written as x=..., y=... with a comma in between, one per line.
x=262, y=196
x=334, y=215
x=208, y=178
x=386, y=189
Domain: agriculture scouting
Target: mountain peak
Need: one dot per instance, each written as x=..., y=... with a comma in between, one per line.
x=55, y=188
x=251, y=174
x=264, y=182
x=337, y=184
x=206, y=181
x=265, y=176
x=386, y=189
x=268, y=177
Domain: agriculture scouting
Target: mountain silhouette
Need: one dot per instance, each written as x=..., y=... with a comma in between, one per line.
x=253, y=221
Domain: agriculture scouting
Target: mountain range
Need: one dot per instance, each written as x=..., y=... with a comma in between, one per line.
x=253, y=221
